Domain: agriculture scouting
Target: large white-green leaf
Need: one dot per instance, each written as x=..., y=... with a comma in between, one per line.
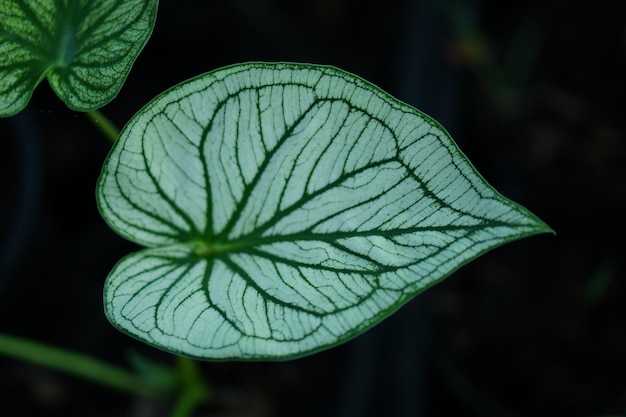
x=84, y=47
x=287, y=208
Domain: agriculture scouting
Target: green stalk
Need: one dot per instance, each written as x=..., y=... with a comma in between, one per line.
x=194, y=390
x=104, y=124
x=76, y=364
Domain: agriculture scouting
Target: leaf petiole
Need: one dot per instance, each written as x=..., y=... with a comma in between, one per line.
x=194, y=390
x=78, y=364
x=103, y=124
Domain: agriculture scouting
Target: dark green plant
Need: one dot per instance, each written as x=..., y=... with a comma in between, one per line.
x=85, y=48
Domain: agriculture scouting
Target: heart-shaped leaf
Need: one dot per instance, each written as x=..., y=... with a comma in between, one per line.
x=84, y=47
x=288, y=208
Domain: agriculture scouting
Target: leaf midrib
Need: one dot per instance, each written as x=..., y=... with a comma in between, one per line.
x=204, y=248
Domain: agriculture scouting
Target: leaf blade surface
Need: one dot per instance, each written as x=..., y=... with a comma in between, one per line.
x=308, y=203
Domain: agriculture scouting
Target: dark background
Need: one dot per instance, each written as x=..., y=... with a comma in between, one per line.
x=532, y=91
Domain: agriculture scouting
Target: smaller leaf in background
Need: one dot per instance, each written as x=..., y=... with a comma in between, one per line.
x=85, y=48
x=287, y=208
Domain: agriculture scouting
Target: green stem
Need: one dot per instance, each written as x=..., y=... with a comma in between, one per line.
x=194, y=390
x=104, y=124
x=76, y=364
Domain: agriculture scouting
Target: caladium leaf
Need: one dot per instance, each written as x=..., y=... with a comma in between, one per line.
x=84, y=47
x=287, y=208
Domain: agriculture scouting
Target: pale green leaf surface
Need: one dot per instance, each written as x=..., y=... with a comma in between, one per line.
x=85, y=48
x=287, y=208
